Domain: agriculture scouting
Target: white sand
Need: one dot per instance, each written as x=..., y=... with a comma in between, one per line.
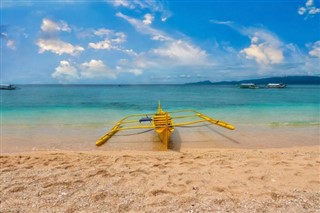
x=206, y=180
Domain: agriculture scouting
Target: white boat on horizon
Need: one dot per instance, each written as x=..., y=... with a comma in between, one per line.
x=276, y=85
x=248, y=86
x=7, y=87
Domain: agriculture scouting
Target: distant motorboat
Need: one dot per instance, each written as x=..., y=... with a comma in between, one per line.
x=276, y=85
x=248, y=86
x=7, y=87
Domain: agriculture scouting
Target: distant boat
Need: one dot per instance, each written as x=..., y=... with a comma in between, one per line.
x=276, y=85
x=7, y=87
x=248, y=86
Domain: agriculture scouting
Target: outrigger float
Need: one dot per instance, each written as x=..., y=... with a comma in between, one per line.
x=162, y=123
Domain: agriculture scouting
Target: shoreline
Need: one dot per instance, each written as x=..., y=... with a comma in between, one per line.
x=83, y=139
x=115, y=153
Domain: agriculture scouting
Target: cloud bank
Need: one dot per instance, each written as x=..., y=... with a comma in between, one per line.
x=265, y=48
x=170, y=52
x=50, y=41
x=67, y=72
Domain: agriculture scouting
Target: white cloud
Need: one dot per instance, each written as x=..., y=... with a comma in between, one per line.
x=116, y=37
x=95, y=69
x=129, y=70
x=145, y=29
x=123, y=3
x=130, y=52
x=227, y=23
x=4, y=35
x=182, y=53
x=119, y=37
x=50, y=26
x=124, y=67
x=11, y=44
x=302, y=10
x=135, y=71
x=12, y=36
x=309, y=8
x=89, y=70
x=160, y=37
x=254, y=39
x=102, y=32
x=111, y=39
x=65, y=72
x=58, y=47
x=153, y=6
x=265, y=47
x=146, y=61
x=49, y=40
x=315, y=51
x=309, y=3
x=314, y=11
x=101, y=45
x=148, y=19
x=168, y=53
x=263, y=54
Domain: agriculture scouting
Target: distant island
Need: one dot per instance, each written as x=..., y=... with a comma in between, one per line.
x=284, y=80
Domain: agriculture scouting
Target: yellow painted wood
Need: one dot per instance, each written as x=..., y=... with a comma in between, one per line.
x=162, y=123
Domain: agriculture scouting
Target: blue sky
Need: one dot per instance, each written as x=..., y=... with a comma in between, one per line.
x=135, y=41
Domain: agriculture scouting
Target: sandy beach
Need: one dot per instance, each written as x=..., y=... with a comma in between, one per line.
x=165, y=106
x=206, y=180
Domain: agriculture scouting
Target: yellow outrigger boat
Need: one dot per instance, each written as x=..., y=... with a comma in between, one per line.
x=161, y=122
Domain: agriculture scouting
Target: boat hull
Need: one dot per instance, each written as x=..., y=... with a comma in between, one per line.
x=163, y=125
x=248, y=86
x=7, y=87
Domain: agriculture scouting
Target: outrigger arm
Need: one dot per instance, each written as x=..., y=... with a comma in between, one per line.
x=204, y=118
x=107, y=136
x=217, y=122
x=121, y=125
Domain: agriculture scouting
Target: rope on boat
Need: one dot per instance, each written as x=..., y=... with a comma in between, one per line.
x=149, y=130
x=194, y=126
x=184, y=116
x=138, y=133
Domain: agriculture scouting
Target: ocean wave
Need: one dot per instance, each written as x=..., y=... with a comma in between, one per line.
x=295, y=124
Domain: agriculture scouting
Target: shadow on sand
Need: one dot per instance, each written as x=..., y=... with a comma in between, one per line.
x=176, y=140
x=223, y=135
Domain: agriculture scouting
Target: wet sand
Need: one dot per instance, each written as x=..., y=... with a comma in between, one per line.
x=206, y=180
x=75, y=138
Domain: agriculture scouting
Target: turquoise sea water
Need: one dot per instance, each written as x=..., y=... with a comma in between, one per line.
x=93, y=109
x=95, y=104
